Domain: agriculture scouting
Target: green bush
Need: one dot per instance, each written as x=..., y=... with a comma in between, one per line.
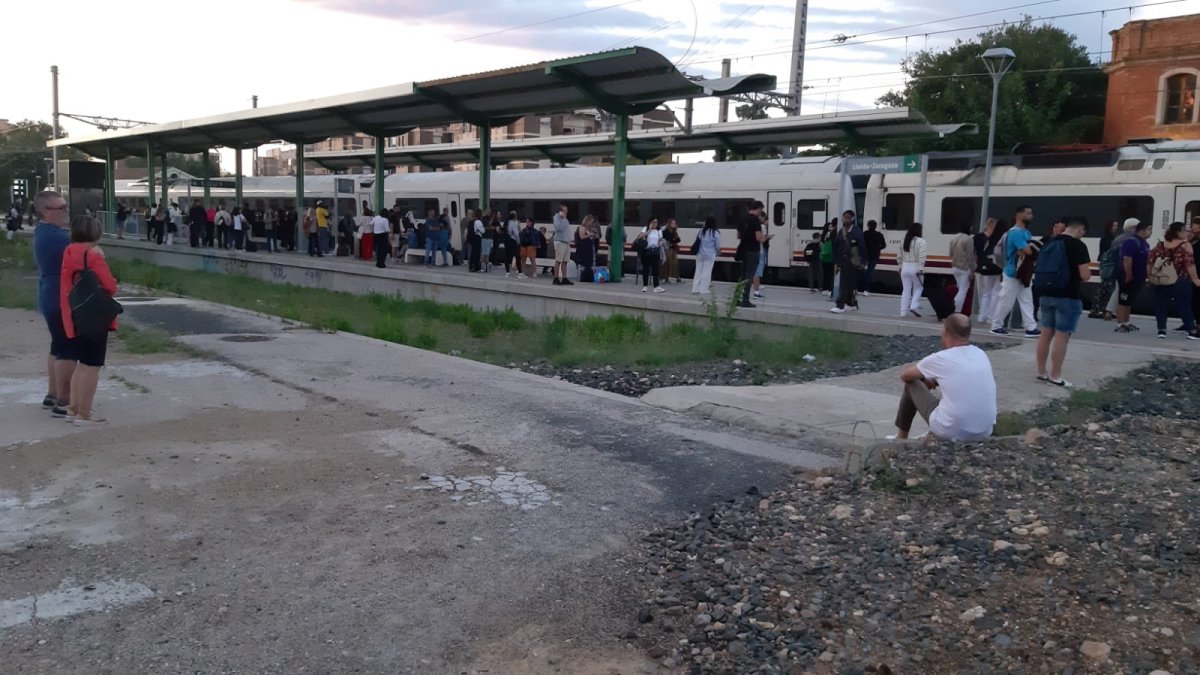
x=459, y=314
x=426, y=340
x=333, y=323
x=509, y=320
x=554, y=336
x=481, y=326
x=391, y=329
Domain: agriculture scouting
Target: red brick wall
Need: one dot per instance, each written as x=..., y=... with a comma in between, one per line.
x=1144, y=51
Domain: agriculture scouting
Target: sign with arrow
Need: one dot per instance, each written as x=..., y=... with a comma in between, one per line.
x=865, y=166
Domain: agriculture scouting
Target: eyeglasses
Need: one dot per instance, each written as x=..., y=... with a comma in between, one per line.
x=57, y=208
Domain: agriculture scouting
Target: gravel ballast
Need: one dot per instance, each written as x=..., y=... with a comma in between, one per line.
x=1073, y=549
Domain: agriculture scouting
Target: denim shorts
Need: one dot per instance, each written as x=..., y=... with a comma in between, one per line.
x=1060, y=315
x=762, y=265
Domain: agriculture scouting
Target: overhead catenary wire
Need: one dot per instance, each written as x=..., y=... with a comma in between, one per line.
x=543, y=22
x=942, y=32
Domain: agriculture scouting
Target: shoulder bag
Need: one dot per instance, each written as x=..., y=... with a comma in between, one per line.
x=92, y=309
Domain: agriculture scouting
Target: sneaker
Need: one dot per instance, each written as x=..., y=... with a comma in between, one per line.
x=1033, y=333
x=1123, y=328
x=1162, y=335
x=1193, y=335
x=49, y=401
x=854, y=307
x=508, y=275
x=1133, y=327
x=1061, y=383
x=837, y=310
x=645, y=288
x=520, y=276
x=915, y=313
x=679, y=281
x=557, y=281
x=93, y=422
x=865, y=294
x=757, y=294
x=1181, y=328
x=748, y=305
x=59, y=411
x=999, y=331
x=567, y=282
x=659, y=289
x=1043, y=378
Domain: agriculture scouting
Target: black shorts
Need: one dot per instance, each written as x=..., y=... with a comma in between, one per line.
x=91, y=352
x=61, y=346
x=1128, y=292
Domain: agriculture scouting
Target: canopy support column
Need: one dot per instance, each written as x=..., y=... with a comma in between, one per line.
x=237, y=179
x=163, y=175
x=207, y=181
x=379, y=174
x=150, y=173
x=110, y=192
x=616, y=250
x=485, y=164
x=299, y=234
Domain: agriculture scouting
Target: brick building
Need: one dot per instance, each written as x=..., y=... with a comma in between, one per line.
x=1152, y=80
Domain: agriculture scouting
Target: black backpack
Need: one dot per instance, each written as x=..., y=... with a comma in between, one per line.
x=92, y=310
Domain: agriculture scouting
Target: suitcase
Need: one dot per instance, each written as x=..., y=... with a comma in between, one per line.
x=251, y=246
x=586, y=276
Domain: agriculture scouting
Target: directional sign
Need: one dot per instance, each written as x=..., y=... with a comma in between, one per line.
x=865, y=166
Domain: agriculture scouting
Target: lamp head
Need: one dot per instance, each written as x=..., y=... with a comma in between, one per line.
x=998, y=60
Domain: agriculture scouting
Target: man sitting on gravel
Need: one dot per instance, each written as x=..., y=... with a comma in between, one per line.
x=967, y=409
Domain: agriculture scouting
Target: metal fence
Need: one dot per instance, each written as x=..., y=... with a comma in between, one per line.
x=135, y=224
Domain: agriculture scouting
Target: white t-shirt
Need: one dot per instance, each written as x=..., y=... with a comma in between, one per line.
x=380, y=225
x=653, y=237
x=239, y=223
x=968, y=408
x=479, y=228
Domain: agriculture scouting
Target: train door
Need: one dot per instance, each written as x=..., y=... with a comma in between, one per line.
x=779, y=223
x=1187, y=203
x=454, y=202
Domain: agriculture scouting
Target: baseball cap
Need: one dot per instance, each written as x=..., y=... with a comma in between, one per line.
x=1132, y=222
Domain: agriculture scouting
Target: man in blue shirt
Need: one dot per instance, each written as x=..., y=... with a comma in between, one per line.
x=1131, y=274
x=1011, y=289
x=50, y=239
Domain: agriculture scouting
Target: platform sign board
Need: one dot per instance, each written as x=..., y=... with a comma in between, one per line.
x=869, y=166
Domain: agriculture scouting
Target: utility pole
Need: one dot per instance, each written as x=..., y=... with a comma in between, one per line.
x=798, y=40
x=254, y=156
x=53, y=178
x=723, y=115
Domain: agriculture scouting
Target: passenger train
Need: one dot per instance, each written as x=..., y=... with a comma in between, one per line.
x=1155, y=181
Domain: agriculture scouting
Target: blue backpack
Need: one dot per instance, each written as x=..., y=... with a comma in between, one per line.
x=1051, y=273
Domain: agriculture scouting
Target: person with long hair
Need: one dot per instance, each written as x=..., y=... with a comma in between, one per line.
x=706, y=257
x=912, y=271
x=512, y=246
x=651, y=255
x=988, y=273
x=671, y=241
x=586, y=248
x=84, y=253
x=1174, y=254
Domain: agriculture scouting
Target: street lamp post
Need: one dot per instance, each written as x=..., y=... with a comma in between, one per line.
x=998, y=61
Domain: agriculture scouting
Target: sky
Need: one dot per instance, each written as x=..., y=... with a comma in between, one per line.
x=166, y=60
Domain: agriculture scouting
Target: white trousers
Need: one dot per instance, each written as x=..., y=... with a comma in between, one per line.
x=1012, y=289
x=702, y=279
x=913, y=288
x=962, y=279
x=987, y=292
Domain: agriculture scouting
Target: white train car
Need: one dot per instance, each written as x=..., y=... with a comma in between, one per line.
x=1157, y=182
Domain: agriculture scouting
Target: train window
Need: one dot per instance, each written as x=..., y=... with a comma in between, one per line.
x=663, y=210
x=693, y=212
x=807, y=211
x=543, y=212
x=899, y=209
x=470, y=204
x=1158, y=163
x=518, y=208
x=432, y=204
x=1191, y=210
x=1096, y=209
x=453, y=208
x=602, y=211
x=779, y=214
x=1131, y=165
x=959, y=210
x=674, y=178
x=574, y=210
x=736, y=210
x=633, y=212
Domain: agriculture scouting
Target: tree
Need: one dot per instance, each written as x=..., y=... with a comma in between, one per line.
x=751, y=111
x=191, y=164
x=24, y=155
x=1053, y=94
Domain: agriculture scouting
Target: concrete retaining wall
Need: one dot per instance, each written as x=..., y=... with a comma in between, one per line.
x=534, y=300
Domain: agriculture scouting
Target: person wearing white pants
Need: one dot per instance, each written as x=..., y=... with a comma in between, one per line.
x=706, y=256
x=912, y=271
x=987, y=288
x=1017, y=245
x=962, y=264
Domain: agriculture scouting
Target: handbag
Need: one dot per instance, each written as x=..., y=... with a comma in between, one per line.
x=640, y=244
x=92, y=309
x=1162, y=272
x=695, y=249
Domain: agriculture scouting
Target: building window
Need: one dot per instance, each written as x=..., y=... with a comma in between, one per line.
x=1180, y=104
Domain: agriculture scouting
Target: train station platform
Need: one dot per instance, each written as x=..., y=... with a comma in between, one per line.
x=537, y=298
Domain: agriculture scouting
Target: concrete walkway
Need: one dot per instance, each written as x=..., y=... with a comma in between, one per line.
x=860, y=409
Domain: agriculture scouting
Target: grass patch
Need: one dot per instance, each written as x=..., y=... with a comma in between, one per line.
x=499, y=336
x=144, y=340
x=18, y=274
